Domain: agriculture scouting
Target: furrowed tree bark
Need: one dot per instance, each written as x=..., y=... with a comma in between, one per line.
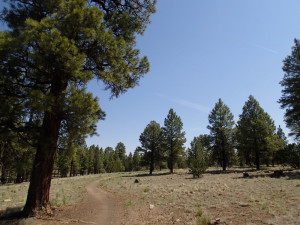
x=40, y=180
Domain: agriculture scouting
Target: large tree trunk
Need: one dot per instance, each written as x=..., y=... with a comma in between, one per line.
x=40, y=180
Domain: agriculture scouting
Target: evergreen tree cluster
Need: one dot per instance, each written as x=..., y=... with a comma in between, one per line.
x=253, y=140
x=162, y=147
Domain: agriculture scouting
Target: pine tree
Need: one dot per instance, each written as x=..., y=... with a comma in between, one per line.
x=222, y=133
x=129, y=163
x=151, y=141
x=108, y=159
x=53, y=45
x=281, y=155
x=174, y=138
x=255, y=133
x=293, y=156
x=121, y=151
x=196, y=159
x=290, y=99
x=136, y=160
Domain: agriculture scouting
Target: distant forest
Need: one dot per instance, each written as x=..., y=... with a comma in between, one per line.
x=252, y=141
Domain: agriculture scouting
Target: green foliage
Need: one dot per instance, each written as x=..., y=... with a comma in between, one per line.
x=291, y=89
x=129, y=163
x=222, y=134
x=257, y=140
x=201, y=218
x=151, y=141
x=174, y=138
x=293, y=155
x=196, y=159
x=136, y=160
x=121, y=151
x=52, y=50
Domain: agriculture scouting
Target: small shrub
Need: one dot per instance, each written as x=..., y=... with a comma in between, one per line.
x=204, y=220
x=201, y=218
x=198, y=166
x=199, y=212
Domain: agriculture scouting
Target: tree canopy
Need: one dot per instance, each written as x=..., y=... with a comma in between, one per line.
x=174, y=138
x=256, y=133
x=50, y=52
x=151, y=141
x=290, y=99
x=222, y=134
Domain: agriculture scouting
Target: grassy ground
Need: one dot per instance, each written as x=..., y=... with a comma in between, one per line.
x=178, y=199
x=63, y=191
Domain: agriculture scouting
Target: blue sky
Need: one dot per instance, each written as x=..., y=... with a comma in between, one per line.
x=201, y=51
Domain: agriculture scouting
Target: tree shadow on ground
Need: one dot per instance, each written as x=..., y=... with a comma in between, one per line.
x=11, y=216
x=247, y=170
x=148, y=175
x=289, y=175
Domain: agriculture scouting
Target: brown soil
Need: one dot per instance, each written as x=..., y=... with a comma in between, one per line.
x=100, y=207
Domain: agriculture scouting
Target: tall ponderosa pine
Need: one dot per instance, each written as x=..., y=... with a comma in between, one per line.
x=222, y=133
x=290, y=99
x=174, y=138
x=56, y=44
x=151, y=141
x=255, y=133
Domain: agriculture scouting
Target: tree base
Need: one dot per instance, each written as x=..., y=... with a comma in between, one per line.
x=38, y=212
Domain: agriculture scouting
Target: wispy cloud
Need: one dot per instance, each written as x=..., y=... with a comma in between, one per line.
x=264, y=48
x=186, y=103
x=192, y=105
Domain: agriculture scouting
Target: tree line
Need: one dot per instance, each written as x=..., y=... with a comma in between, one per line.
x=252, y=141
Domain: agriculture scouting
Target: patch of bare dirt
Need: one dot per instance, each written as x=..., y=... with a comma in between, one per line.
x=101, y=208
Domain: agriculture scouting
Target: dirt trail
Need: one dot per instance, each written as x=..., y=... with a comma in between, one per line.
x=100, y=207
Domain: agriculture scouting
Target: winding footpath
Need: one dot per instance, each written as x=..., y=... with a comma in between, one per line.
x=100, y=208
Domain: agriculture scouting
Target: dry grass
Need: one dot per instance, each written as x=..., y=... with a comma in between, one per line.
x=63, y=192
x=178, y=199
